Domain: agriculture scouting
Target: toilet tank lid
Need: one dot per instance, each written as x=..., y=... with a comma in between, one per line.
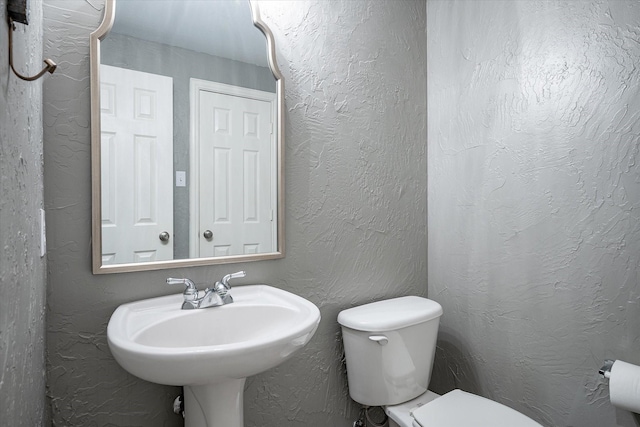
x=461, y=409
x=391, y=314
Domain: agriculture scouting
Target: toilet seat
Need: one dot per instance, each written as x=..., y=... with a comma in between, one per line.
x=461, y=409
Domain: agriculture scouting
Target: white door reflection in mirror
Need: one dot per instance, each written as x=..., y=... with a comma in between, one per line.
x=136, y=153
x=234, y=143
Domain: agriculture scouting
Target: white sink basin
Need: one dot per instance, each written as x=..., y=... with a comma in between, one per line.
x=157, y=341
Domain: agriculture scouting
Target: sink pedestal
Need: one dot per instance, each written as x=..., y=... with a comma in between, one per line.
x=214, y=405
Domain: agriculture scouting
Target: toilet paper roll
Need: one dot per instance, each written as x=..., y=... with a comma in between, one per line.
x=624, y=386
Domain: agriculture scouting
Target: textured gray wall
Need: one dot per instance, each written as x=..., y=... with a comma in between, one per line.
x=150, y=57
x=355, y=210
x=22, y=271
x=534, y=201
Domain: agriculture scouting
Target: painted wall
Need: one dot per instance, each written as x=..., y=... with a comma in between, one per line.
x=355, y=208
x=534, y=201
x=22, y=270
x=150, y=57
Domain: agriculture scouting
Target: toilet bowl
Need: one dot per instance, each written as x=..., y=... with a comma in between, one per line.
x=389, y=348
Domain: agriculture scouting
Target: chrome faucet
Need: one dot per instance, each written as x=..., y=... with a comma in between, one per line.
x=211, y=297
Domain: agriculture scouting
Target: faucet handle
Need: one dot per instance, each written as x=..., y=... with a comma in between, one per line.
x=190, y=292
x=222, y=287
x=225, y=279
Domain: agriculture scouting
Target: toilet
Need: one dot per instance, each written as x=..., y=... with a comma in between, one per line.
x=389, y=347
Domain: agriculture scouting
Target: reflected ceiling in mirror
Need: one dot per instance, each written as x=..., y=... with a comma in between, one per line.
x=218, y=28
x=187, y=136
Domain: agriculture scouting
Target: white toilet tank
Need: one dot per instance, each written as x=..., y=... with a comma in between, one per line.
x=389, y=346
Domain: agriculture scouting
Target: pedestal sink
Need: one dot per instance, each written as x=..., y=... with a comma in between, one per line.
x=211, y=351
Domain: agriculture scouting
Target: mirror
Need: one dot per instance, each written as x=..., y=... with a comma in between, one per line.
x=187, y=110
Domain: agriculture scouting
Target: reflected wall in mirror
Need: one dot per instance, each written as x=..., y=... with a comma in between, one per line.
x=187, y=136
